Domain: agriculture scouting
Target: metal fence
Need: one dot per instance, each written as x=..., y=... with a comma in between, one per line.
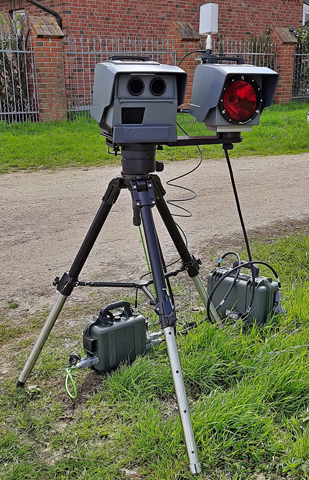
x=82, y=55
x=262, y=54
x=300, y=90
x=18, y=80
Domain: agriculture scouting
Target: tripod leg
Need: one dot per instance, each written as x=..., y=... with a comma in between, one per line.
x=166, y=313
x=184, y=412
x=69, y=280
x=39, y=344
x=188, y=260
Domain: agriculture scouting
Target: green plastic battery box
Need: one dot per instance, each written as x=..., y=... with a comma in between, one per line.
x=239, y=299
x=115, y=338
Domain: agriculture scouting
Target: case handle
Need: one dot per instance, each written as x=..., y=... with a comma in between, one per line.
x=130, y=57
x=106, y=316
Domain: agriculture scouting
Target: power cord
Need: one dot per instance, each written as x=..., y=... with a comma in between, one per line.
x=251, y=265
x=237, y=203
x=70, y=378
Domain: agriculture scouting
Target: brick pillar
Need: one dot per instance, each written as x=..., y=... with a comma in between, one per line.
x=48, y=46
x=285, y=44
x=185, y=40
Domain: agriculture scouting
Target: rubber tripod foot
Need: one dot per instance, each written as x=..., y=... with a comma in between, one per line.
x=20, y=384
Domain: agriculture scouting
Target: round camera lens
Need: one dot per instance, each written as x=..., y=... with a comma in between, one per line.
x=157, y=86
x=136, y=86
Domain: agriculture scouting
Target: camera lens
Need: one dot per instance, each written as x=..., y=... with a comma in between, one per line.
x=136, y=86
x=157, y=86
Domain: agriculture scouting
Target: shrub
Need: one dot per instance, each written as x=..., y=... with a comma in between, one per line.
x=14, y=34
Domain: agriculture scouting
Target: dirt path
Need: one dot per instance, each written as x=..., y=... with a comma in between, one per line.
x=45, y=216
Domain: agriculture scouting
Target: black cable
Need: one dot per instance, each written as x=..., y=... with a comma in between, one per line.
x=226, y=254
x=234, y=280
x=190, y=53
x=247, y=264
x=242, y=226
x=237, y=203
x=170, y=183
x=170, y=202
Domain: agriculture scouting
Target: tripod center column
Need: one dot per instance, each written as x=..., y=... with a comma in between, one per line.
x=138, y=159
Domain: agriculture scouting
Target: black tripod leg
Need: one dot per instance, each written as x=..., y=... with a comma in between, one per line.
x=69, y=280
x=188, y=260
x=166, y=313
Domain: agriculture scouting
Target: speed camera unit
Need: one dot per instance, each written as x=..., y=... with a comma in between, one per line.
x=136, y=102
x=231, y=98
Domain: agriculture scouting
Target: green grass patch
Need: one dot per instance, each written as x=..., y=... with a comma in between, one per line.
x=248, y=390
x=283, y=130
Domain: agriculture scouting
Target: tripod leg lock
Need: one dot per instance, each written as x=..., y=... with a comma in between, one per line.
x=65, y=284
x=166, y=313
x=193, y=266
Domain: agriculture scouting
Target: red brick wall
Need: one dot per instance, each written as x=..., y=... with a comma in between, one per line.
x=95, y=18
x=237, y=18
x=50, y=69
x=285, y=63
x=51, y=81
x=185, y=40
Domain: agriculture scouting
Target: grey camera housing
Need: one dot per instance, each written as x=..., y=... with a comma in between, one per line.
x=208, y=87
x=136, y=101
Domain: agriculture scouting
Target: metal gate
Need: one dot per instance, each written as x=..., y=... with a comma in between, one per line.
x=18, y=80
x=300, y=89
x=262, y=54
x=82, y=55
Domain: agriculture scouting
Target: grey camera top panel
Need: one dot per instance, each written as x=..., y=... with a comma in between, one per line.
x=244, y=68
x=121, y=66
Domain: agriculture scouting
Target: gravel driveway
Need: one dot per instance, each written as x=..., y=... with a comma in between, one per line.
x=46, y=214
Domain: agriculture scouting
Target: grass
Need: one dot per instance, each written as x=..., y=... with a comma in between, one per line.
x=248, y=390
x=283, y=130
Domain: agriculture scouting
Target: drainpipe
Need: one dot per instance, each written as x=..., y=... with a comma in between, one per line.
x=48, y=10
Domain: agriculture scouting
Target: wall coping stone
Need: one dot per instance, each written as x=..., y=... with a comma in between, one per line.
x=284, y=35
x=45, y=26
x=185, y=31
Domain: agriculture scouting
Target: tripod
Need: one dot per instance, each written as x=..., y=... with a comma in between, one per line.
x=138, y=163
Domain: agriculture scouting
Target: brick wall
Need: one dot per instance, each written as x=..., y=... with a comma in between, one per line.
x=169, y=19
x=285, y=42
x=185, y=40
x=237, y=18
x=48, y=46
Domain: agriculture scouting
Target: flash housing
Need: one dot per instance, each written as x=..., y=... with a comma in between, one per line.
x=209, y=95
x=136, y=101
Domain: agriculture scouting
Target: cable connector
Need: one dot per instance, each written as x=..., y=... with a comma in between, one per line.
x=153, y=339
x=278, y=308
x=87, y=362
x=233, y=315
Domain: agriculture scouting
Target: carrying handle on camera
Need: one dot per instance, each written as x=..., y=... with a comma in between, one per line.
x=210, y=58
x=130, y=57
